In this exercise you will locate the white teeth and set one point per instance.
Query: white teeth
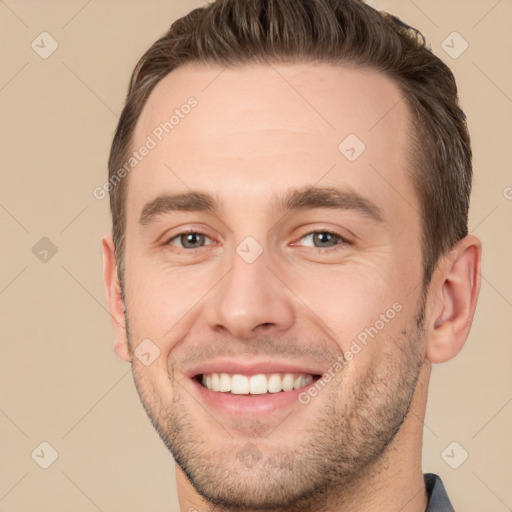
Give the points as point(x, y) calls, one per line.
point(239, 384)
point(287, 382)
point(255, 384)
point(274, 383)
point(225, 382)
point(258, 384)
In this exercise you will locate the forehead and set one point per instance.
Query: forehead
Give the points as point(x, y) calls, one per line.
point(256, 127)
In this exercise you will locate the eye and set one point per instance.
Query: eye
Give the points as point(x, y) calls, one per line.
point(189, 240)
point(321, 239)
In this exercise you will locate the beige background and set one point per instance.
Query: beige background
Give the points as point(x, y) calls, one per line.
point(59, 379)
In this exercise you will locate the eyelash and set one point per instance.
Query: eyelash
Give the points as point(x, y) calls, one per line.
point(186, 232)
point(343, 239)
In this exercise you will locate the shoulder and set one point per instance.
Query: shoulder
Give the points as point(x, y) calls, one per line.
point(438, 498)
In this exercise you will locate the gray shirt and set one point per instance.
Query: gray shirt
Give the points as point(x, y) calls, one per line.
point(438, 499)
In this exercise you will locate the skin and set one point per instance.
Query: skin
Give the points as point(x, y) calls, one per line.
point(357, 445)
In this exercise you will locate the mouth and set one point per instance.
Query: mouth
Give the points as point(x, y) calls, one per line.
point(258, 384)
point(257, 388)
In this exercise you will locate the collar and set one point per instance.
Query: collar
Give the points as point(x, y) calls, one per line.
point(438, 499)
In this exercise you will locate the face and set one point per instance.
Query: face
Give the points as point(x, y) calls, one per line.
point(266, 247)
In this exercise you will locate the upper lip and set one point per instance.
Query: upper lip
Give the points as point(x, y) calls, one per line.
point(251, 368)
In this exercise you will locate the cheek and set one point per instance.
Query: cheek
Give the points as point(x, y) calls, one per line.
point(161, 301)
point(364, 309)
point(347, 300)
point(155, 388)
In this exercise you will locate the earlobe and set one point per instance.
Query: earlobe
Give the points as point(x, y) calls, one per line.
point(458, 285)
point(115, 302)
point(122, 350)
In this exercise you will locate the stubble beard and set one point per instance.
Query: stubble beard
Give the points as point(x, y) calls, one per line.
point(350, 433)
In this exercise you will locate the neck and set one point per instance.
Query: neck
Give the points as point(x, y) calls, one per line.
point(394, 482)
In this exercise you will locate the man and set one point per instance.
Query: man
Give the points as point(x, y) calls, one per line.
point(289, 188)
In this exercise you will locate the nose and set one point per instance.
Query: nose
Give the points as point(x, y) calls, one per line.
point(251, 300)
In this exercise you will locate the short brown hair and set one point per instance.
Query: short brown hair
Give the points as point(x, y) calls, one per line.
point(237, 32)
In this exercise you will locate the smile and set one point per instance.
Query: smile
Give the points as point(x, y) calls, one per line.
point(257, 388)
point(258, 384)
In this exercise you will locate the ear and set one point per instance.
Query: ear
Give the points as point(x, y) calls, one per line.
point(456, 289)
point(115, 301)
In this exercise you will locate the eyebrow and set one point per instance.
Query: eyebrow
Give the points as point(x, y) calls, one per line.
point(328, 197)
point(295, 199)
point(168, 203)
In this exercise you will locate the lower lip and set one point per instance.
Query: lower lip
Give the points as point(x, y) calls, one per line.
point(256, 405)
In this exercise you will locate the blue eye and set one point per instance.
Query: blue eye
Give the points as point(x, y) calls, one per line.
point(189, 240)
point(316, 239)
point(325, 239)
